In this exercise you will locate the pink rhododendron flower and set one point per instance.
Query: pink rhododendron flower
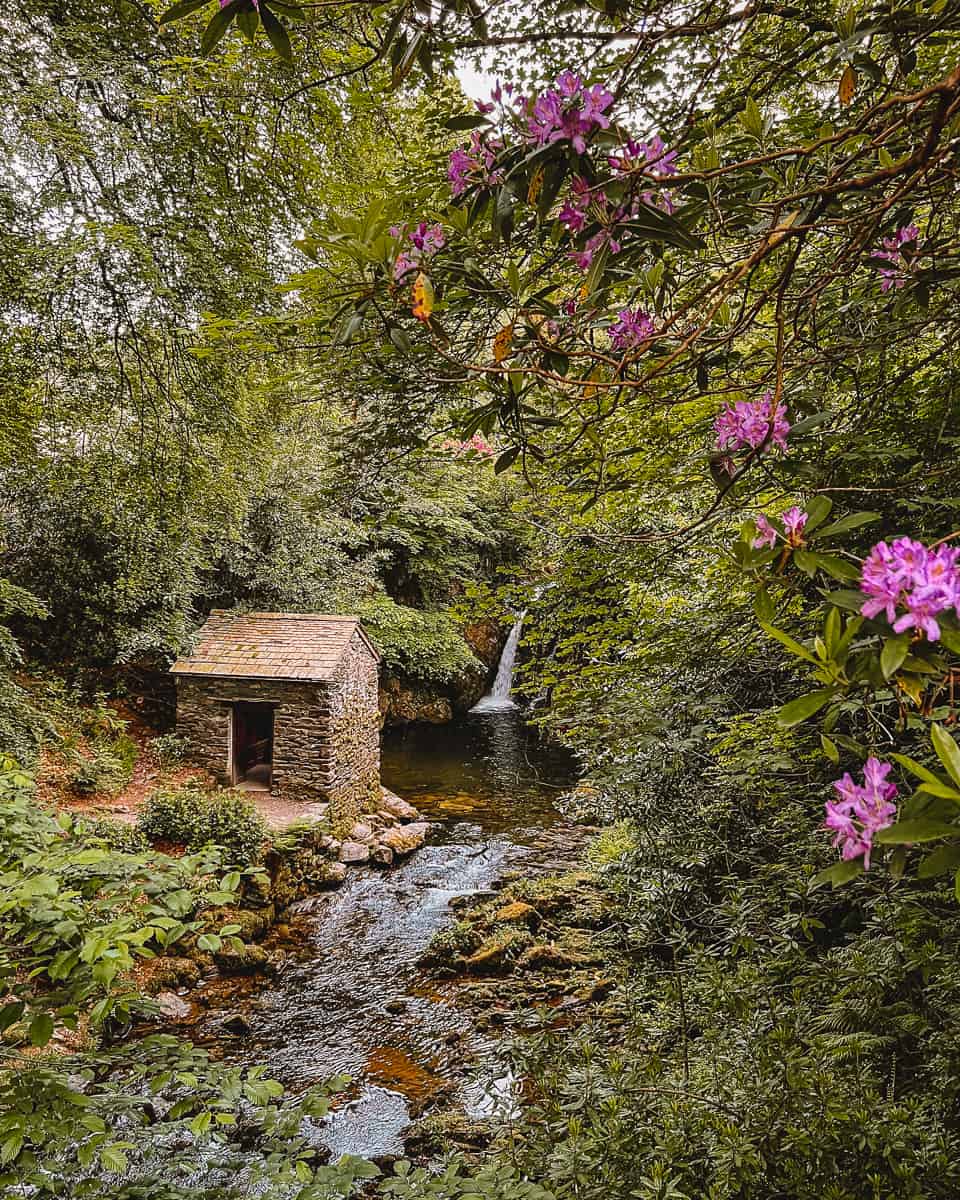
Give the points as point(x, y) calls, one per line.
point(423, 242)
point(752, 423)
point(766, 534)
point(476, 444)
point(794, 520)
point(896, 276)
point(860, 812)
point(569, 112)
point(630, 329)
point(906, 575)
point(474, 164)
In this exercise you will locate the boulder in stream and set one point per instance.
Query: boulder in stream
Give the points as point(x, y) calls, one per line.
point(354, 852)
point(173, 1008)
point(404, 839)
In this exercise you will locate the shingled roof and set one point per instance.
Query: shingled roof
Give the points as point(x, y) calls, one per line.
point(270, 645)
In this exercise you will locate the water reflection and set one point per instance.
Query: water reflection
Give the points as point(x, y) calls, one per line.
point(489, 766)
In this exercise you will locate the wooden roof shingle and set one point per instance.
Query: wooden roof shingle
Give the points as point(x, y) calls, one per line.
point(269, 645)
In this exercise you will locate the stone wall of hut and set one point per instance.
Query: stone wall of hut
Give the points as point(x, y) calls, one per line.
point(326, 736)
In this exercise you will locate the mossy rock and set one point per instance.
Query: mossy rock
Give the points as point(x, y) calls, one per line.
point(251, 960)
point(499, 951)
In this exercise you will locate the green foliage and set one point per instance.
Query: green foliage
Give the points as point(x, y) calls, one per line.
point(191, 816)
point(426, 646)
point(108, 769)
point(168, 749)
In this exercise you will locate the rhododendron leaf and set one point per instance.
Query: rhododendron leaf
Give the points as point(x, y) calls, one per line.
point(248, 21)
point(920, 829)
point(895, 650)
point(941, 790)
point(400, 339)
point(940, 861)
point(836, 568)
point(947, 751)
point(915, 768)
point(805, 561)
point(182, 10)
point(847, 599)
point(845, 524)
point(423, 298)
point(803, 707)
point(808, 423)
point(276, 34)
point(763, 606)
point(837, 875)
point(506, 459)
point(818, 510)
point(465, 121)
point(950, 638)
point(791, 644)
point(829, 748)
point(219, 24)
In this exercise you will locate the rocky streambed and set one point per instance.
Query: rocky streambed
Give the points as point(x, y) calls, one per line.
point(353, 990)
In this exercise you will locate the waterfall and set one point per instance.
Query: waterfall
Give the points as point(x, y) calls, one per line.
point(499, 694)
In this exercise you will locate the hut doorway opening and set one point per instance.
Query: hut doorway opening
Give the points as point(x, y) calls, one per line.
point(252, 745)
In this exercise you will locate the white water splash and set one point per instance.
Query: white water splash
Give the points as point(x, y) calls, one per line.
point(499, 694)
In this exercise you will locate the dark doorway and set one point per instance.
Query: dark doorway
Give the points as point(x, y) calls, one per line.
point(252, 757)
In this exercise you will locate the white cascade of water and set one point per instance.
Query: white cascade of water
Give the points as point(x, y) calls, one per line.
point(499, 694)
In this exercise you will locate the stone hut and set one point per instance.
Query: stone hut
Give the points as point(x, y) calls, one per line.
point(284, 701)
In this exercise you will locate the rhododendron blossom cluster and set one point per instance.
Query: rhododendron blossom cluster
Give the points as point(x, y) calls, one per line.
point(752, 423)
point(906, 575)
point(896, 276)
point(569, 112)
point(422, 243)
point(861, 811)
point(630, 329)
point(474, 164)
point(476, 444)
point(794, 519)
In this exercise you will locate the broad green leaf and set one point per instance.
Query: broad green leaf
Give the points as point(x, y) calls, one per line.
point(182, 10)
point(791, 644)
point(915, 768)
point(277, 34)
point(41, 1029)
point(845, 524)
point(829, 748)
point(895, 650)
point(818, 510)
point(939, 862)
point(803, 707)
point(941, 790)
point(839, 874)
point(921, 829)
point(219, 24)
point(947, 751)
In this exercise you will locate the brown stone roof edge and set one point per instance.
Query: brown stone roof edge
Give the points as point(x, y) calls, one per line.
point(238, 661)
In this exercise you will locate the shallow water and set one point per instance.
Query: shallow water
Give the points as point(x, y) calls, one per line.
point(491, 788)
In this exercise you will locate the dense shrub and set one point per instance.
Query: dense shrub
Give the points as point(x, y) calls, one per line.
point(169, 749)
point(426, 646)
point(192, 817)
point(107, 769)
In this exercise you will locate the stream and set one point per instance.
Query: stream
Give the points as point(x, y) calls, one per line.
point(351, 998)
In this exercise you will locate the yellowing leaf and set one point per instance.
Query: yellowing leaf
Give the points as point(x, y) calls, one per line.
point(536, 186)
point(422, 298)
point(502, 343)
point(848, 84)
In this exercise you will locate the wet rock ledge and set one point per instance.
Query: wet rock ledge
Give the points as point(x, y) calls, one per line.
point(301, 860)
